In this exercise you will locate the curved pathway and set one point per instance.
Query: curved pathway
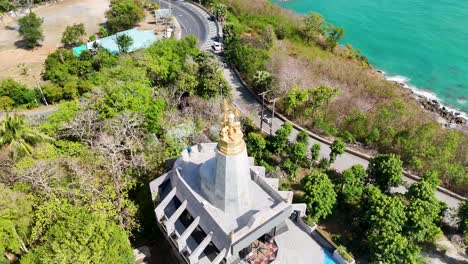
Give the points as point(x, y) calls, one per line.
point(248, 103)
point(193, 21)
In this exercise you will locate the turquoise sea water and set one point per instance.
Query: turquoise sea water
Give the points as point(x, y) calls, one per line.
point(422, 42)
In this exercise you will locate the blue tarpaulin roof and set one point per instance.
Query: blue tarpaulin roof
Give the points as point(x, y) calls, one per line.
point(78, 50)
point(141, 39)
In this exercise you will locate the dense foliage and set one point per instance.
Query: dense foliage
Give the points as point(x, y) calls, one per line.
point(319, 195)
point(463, 220)
point(385, 171)
point(124, 14)
point(67, 233)
point(73, 35)
point(14, 94)
point(78, 192)
point(376, 224)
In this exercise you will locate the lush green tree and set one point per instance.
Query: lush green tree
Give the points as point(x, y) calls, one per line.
point(262, 81)
point(314, 26)
point(103, 32)
point(52, 92)
point(386, 217)
point(19, 93)
point(281, 139)
point(73, 234)
point(319, 195)
point(103, 59)
point(126, 88)
point(256, 145)
point(463, 218)
point(62, 66)
point(295, 98)
point(70, 89)
point(220, 12)
point(211, 82)
point(335, 34)
point(17, 137)
point(298, 152)
point(315, 151)
point(5, 6)
point(302, 137)
point(166, 60)
point(124, 42)
point(425, 188)
point(385, 171)
point(338, 147)
point(30, 29)
point(73, 35)
point(123, 14)
point(290, 168)
point(247, 58)
point(15, 220)
point(423, 217)
point(320, 97)
point(353, 183)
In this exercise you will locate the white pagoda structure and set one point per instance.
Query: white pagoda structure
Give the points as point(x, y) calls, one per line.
point(216, 206)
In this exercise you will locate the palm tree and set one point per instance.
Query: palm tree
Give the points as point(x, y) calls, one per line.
point(17, 137)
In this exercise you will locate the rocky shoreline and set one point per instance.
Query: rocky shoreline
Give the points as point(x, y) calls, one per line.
point(447, 117)
point(453, 118)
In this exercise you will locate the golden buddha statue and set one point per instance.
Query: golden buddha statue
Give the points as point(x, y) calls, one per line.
point(230, 136)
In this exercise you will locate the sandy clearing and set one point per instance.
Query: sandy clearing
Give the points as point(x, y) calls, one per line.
point(56, 17)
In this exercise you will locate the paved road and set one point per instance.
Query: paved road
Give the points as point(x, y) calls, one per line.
point(193, 21)
point(40, 111)
point(249, 105)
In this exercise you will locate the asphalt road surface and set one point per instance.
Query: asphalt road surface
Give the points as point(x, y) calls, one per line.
point(192, 22)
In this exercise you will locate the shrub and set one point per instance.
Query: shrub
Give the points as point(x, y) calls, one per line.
point(53, 93)
point(315, 151)
point(19, 93)
point(103, 32)
point(6, 103)
point(70, 89)
point(344, 253)
point(73, 35)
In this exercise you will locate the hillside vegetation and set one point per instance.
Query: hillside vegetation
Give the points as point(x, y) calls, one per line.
point(74, 186)
point(332, 90)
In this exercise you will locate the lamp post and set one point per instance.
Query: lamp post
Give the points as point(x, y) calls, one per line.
point(40, 89)
point(273, 115)
point(263, 108)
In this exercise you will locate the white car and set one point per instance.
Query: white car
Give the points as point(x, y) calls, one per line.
point(267, 120)
point(217, 46)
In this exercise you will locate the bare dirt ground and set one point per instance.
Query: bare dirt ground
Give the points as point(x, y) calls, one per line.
point(56, 17)
point(158, 26)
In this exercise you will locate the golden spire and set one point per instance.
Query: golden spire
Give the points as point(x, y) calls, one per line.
point(230, 136)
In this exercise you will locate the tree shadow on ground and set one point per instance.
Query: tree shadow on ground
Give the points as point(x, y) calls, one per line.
point(14, 27)
point(21, 44)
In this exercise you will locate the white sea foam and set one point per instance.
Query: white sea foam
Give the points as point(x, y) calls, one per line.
point(405, 81)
